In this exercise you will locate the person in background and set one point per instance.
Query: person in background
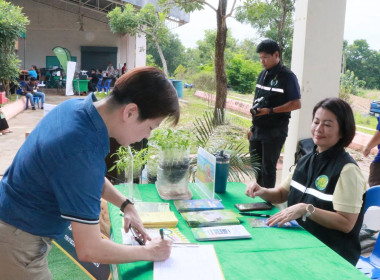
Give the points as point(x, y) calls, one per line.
point(71, 177)
point(325, 193)
point(30, 90)
point(32, 72)
point(100, 74)
point(374, 169)
point(4, 127)
point(278, 88)
point(110, 69)
point(93, 81)
point(124, 68)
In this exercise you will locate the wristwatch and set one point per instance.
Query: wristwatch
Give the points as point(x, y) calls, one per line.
point(310, 209)
point(271, 111)
point(124, 204)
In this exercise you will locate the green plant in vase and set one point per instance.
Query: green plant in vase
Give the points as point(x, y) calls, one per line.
point(123, 162)
point(173, 162)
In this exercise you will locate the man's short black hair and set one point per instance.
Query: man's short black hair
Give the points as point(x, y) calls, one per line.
point(32, 79)
point(268, 46)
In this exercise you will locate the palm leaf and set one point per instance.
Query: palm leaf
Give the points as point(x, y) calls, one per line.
point(241, 163)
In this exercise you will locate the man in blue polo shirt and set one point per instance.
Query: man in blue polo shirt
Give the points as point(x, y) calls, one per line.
point(279, 93)
point(56, 178)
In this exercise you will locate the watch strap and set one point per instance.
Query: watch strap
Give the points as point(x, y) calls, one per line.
point(124, 204)
point(310, 209)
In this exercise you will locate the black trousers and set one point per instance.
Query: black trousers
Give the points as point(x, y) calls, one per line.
point(268, 152)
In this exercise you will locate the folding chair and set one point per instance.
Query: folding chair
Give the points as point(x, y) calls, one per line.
point(107, 85)
point(370, 266)
point(99, 85)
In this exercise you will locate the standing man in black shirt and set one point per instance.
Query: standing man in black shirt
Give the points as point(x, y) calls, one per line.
point(277, 94)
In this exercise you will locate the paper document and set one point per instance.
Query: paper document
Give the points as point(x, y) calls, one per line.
point(189, 263)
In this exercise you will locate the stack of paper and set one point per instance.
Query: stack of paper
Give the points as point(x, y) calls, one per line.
point(211, 218)
point(189, 263)
point(152, 207)
point(198, 205)
point(221, 233)
point(159, 219)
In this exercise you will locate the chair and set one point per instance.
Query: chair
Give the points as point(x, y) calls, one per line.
point(370, 266)
point(99, 85)
point(107, 85)
point(36, 100)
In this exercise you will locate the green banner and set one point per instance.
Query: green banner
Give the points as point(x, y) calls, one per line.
point(63, 56)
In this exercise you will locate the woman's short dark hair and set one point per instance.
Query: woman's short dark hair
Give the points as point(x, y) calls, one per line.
point(268, 46)
point(344, 115)
point(150, 90)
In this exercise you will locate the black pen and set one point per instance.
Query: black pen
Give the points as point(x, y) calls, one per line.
point(254, 214)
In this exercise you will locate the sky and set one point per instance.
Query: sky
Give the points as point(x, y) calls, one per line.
point(362, 22)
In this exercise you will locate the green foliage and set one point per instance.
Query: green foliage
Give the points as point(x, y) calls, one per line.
point(205, 81)
point(242, 73)
point(147, 21)
point(180, 72)
point(123, 160)
point(171, 47)
point(150, 61)
point(272, 19)
point(170, 139)
point(211, 135)
point(12, 24)
point(364, 61)
point(349, 84)
point(123, 21)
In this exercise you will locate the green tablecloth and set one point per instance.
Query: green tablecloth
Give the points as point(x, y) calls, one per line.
point(272, 253)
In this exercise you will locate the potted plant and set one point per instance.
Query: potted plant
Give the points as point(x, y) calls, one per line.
point(173, 163)
point(124, 163)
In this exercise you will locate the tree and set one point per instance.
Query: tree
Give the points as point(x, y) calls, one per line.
point(12, 25)
point(172, 48)
point(220, 43)
point(147, 21)
point(272, 19)
point(242, 73)
point(364, 61)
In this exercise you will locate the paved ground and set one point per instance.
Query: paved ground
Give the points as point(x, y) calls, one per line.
point(20, 124)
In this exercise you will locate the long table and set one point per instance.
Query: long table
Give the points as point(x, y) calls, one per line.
point(272, 253)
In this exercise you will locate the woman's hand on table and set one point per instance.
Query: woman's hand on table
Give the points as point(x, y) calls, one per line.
point(131, 218)
point(253, 190)
point(288, 214)
point(159, 249)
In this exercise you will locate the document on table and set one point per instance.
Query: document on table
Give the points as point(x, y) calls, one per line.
point(188, 263)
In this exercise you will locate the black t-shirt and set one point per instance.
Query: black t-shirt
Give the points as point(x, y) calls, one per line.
point(94, 78)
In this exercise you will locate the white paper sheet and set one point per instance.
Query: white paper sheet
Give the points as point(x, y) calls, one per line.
point(189, 263)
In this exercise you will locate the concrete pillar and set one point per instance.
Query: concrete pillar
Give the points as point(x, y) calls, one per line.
point(140, 50)
point(316, 60)
point(131, 44)
point(123, 51)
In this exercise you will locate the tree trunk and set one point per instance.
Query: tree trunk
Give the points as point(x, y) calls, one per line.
point(163, 60)
point(220, 70)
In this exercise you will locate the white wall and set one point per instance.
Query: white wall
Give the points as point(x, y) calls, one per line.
point(50, 27)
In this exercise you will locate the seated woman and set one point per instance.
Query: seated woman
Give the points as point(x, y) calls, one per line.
point(326, 191)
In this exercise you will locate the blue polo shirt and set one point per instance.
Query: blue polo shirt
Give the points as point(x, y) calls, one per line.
point(377, 158)
point(58, 174)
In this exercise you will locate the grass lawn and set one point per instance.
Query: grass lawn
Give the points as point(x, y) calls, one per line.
point(62, 267)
